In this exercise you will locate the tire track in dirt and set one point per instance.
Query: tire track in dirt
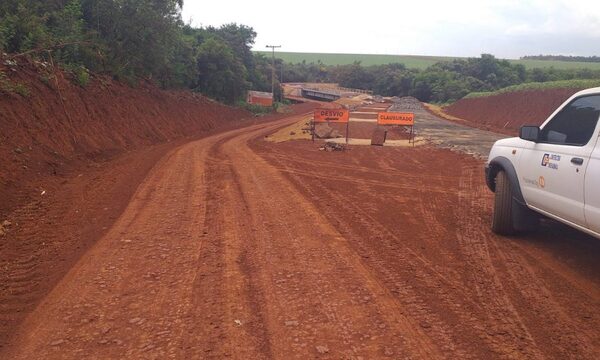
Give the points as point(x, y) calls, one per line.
point(128, 295)
point(550, 266)
point(231, 250)
point(50, 233)
point(381, 184)
point(509, 335)
point(483, 302)
point(357, 169)
point(17, 275)
point(522, 283)
point(315, 245)
point(229, 322)
point(386, 264)
point(154, 287)
point(572, 330)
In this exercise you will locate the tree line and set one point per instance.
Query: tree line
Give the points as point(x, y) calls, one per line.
point(563, 58)
point(442, 82)
point(136, 39)
point(147, 39)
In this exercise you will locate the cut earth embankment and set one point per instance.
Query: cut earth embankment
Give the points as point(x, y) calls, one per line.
point(507, 112)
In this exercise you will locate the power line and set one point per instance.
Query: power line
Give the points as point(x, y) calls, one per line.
point(273, 70)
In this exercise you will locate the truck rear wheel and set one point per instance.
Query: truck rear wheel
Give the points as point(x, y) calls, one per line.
point(502, 220)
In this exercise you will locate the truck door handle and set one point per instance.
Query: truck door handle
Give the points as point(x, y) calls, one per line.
point(577, 161)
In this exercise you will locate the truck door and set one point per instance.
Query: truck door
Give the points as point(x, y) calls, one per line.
point(592, 190)
point(553, 170)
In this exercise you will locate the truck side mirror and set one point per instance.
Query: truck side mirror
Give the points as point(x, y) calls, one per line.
point(530, 133)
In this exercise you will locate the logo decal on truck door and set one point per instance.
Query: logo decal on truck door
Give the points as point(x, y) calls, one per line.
point(545, 159)
point(542, 182)
point(549, 160)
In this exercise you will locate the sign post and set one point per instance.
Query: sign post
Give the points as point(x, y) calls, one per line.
point(400, 119)
point(347, 126)
point(340, 116)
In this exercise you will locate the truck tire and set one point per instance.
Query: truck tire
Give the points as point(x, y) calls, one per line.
point(502, 219)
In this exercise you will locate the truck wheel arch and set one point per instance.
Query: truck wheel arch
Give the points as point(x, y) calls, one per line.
point(501, 163)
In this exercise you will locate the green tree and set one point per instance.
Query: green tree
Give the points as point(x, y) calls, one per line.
point(137, 38)
point(221, 74)
point(353, 76)
point(23, 25)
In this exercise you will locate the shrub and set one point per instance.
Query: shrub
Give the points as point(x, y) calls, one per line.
point(256, 109)
point(8, 86)
point(82, 76)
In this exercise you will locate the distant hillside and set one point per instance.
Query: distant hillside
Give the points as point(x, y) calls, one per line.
point(548, 85)
point(562, 58)
point(413, 61)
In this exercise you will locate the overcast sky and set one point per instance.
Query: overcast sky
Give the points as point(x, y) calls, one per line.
point(507, 29)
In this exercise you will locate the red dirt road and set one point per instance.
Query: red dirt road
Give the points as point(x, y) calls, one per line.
point(234, 247)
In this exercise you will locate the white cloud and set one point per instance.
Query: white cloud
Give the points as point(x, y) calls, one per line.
point(462, 27)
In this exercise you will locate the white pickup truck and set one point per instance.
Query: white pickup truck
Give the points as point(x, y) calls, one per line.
point(552, 170)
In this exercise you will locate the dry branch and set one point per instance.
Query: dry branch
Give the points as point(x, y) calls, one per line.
point(53, 47)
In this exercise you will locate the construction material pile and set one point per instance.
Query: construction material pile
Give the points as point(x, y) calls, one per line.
point(324, 131)
point(407, 103)
point(331, 146)
point(349, 103)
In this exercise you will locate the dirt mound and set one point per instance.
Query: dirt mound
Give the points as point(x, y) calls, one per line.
point(506, 113)
point(58, 125)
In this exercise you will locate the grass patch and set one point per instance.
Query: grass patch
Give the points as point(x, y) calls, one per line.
point(10, 87)
point(438, 110)
point(561, 65)
point(563, 84)
point(258, 110)
point(293, 132)
point(81, 76)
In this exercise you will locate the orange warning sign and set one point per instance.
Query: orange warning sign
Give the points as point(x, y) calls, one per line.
point(393, 118)
point(332, 115)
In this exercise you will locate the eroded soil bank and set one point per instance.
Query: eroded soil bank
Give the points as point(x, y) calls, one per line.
point(506, 113)
point(68, 172)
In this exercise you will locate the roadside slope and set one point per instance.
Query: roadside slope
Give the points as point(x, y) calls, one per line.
point(507, 112)
point(59, 126)
point(67, 173)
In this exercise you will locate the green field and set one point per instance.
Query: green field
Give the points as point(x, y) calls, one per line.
point(562, 84)
point(530, 64)
point(419, 62)
point(411, 61)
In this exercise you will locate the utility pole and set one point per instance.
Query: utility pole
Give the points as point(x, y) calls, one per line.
point(273, 70)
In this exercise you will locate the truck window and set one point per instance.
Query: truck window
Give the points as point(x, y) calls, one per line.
point(574, 124)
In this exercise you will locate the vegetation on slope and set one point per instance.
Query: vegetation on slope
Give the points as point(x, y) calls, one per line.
point(132, 40)
point(562, 84)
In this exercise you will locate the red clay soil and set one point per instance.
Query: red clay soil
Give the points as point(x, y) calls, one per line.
point(417, 221)
point(66, 173)
point(365, 130)
point(39, 136)
point(232, 247)
point(506, 113)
